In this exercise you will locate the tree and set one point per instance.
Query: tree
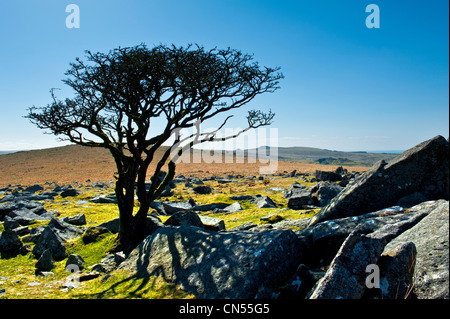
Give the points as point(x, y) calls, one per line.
point(118, 95)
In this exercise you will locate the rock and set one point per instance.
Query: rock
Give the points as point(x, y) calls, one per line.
point(25, 217)
point(22, 230)
point(10, 243)
point(34, 235)
point(300, 199)
point(77, 220)
point(411, 200)
point(291, 174)
point(51, 241)
point(345, 279)
point(431, 238)
point(396, 273)
point(10, 223)
point(34, 207)
point(243, 197)
point(70, 192)
point(245, 226)
point(104, 199)
point(92, 233)
point(45, 262)
point(233, 208)
point(64, 230)
point(327, 176)
point(272, 219)
point(300, 283)
point(34, 188)
point(295, 189)
point(423, 168)
point(297, 224)
point(217, 264)
point(212, 223)
point(324, 192)
point(209, 207)
point(184, 219)
point(112, 225)
point(202, 189)
point(323, 240)
point(109, 263)
point(76, 260)
point(169, 208)
point(264, 202)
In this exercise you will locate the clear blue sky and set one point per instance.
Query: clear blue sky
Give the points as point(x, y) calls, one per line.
point(346, 87)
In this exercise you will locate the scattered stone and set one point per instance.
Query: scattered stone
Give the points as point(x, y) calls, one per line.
point(202, 189)
point(10, 243)
point(45, 262)
point(104, 199)
point(327, 176)
point(209, 207)
point(324, 192)
point(92, 233)
point(212, 223)
point(112, 225)
point(233, 208)
point(184, 219)
point(76, 260)
point(272, 219)
point(300, 200)
point(77, 220)
point(109, 263)
point(51, 241)
point(242, 197)
point(22, 230)
point(70, 192)
point(64, 230)
point(34, 188)
point(24, 216)
point(10, 223)
point(245, 226)
point(265, 202)
point(292, 173)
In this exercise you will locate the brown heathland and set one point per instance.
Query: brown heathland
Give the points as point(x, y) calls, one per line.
point(74, 163)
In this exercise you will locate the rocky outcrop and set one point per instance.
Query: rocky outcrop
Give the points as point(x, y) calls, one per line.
point(217, 264)
point(431, 239)
point(404, 243)
point(345, 279)
point(423, 168)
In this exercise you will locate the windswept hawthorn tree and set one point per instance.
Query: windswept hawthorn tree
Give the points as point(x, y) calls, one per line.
point(118, 94)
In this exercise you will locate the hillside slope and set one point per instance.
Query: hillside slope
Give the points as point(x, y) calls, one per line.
point(74, 163)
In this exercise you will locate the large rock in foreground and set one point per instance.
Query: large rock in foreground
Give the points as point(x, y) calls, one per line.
point(423, 168)
point(431, 238)
point(217, 265)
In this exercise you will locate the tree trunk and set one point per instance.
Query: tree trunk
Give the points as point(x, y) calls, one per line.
point(125, 200)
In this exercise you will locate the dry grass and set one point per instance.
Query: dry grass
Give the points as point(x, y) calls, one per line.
point(74, 163)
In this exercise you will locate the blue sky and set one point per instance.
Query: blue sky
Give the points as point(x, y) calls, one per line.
point(346, 87)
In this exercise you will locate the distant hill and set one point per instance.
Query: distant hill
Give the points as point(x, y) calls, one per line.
point(6, 152)
point(322, 156)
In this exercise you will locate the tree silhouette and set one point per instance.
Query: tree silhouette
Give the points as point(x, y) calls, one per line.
point(120, 93)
